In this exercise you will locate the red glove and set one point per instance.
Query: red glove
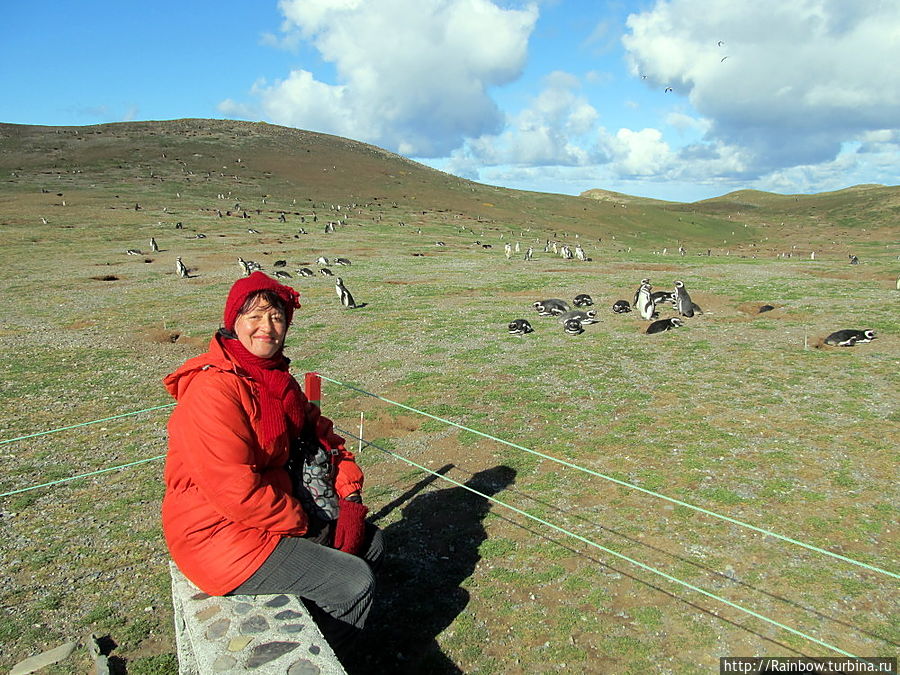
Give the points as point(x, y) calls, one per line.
point(350, 529)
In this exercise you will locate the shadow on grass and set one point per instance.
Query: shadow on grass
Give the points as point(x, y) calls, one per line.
point(429, 553)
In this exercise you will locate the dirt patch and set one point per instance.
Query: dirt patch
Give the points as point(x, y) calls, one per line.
point(106, 277)
point(160, 337)
point(387, 426)
point(757, 308)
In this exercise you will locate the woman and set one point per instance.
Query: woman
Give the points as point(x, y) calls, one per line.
point(231, 517)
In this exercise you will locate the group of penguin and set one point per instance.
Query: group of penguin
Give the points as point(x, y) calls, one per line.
point(343, 293)
point(645, 302)
point(572, 320)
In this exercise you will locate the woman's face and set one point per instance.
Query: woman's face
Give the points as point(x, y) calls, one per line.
point(261, 329)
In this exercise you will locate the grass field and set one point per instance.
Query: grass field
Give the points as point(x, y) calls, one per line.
point(745, 414)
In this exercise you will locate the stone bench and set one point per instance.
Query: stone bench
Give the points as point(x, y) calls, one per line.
point(242, 633)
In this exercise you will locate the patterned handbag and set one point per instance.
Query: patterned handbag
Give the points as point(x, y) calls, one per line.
point(313, 471)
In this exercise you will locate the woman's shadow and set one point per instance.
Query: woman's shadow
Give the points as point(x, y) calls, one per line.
point(430, 551)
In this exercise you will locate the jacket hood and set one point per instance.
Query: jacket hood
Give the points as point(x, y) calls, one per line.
point(215, 357)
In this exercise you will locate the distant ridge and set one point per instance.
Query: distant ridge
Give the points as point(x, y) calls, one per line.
point(261, 158)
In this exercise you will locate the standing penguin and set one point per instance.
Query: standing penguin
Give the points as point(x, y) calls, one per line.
point(180, 269)
point(153, 245)
point(645, 302)
point(344, 294)
point(683, 301)
point(634, 303)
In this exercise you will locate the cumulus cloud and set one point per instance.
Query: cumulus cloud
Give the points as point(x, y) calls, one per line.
point(556, 129)
point(797, 80)
point(412, 76)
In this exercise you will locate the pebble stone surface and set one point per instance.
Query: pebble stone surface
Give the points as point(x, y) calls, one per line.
point(246, 634)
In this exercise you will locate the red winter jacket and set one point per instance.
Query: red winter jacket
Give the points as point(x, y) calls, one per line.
point(229, 501)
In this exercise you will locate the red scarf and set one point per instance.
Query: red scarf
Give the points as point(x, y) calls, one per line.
point(281, 401)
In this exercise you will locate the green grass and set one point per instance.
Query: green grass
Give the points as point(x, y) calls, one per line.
point(737, 412)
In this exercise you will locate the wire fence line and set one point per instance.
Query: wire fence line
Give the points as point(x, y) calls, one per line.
point(84, 424)
point(585, 540)
point(571, 465)
point(623, 483)
point(521, 512)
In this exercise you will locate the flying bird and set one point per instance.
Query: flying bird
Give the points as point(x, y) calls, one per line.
point(668, 89)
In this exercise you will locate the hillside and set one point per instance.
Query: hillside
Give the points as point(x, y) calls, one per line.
point(256, 159)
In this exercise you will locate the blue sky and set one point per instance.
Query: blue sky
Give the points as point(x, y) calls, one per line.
point(675, 99)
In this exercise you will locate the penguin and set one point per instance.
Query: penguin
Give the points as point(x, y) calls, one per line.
point(551, 307)
point(583, 300)
point(280, 263)
point(854, 260)
point(153, 245)
point(585, 317)
point(343, 294)
point(520, 327)
point(133, 251)
point(850, 337)
point(281, 274)
point(662, 296)
point(321, 260)
point(325, 272)
point(644, 303)
point(621, 307)
point(305, 272)
point(573, 327)
point(683, 301)
point(765, 308)
point(634, 303)
point(342, 261)
point(180, 269)
point(664, 324)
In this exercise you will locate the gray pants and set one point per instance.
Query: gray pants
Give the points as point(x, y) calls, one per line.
point(337, 587)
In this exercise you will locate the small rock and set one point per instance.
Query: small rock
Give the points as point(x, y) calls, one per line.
point(34, 663)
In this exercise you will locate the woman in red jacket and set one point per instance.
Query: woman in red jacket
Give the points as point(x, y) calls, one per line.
point(232, 519)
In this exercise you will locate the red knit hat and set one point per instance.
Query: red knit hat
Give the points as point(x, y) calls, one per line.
point(242, 288)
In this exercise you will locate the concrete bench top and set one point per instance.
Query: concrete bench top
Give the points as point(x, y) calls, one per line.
point(239, 634)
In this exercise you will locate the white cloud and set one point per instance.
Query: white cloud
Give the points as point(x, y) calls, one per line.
point(411, 75)
point(638, 153)
point(555, 129)
point(798, 79)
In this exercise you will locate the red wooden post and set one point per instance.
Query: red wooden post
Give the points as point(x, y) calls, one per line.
point(312, 387)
